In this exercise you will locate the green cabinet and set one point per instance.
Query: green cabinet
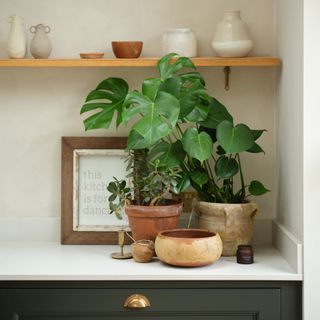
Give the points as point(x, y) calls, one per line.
point(170, 300)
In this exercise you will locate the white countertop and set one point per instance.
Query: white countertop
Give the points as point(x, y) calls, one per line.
point(52, 261)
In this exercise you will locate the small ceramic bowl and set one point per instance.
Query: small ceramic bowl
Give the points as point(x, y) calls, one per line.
point(188, 247)
point(127, 49)
point(142, 250)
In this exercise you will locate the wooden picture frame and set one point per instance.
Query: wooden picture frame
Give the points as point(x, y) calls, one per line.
point(72, 148)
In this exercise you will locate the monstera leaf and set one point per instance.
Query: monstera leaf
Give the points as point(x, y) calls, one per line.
point(168, 68)
point(150, 88)
point(192, 95)
point(217, 113)
point(158, 116)
point(108, 97)
point(200, 178)
point(169, 154)
point(226, 167)
point(234, 139)
point(256, 188)
point(197, 145)
point(256, 135)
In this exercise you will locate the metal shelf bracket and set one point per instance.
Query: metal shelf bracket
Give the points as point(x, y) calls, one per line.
point(227, 71)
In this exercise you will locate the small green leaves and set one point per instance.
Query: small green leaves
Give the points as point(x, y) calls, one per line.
point(226, 167)
point(256, 188)
point(197, 145)
point(183, 183)
point(120, 191)
point(234, 139)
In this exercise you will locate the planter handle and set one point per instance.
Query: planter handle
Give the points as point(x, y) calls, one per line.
point(255, 210)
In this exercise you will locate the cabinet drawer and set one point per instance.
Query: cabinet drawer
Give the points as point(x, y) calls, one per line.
point(168, 301)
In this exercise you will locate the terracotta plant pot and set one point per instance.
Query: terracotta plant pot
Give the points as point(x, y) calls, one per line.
point(147, 221)
point(234, 222)
point(188, 247)
point(127, 49)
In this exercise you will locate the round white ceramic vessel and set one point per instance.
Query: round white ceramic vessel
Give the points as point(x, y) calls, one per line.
point(182, 41)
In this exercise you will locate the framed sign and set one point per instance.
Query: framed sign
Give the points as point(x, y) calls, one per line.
point(88, 165)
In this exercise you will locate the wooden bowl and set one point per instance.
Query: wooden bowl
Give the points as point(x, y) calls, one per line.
point(188, 247)
point(91, 55)
point(127, 49)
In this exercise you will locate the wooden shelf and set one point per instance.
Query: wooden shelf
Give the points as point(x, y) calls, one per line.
point(140, 62)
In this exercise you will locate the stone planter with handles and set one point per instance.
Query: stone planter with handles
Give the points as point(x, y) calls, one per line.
point(234, 222)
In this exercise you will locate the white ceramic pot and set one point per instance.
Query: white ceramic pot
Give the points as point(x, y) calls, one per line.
point(232, 38)
point(16, 42)
point(234, 222)
point(40, 46)
point(180, 41)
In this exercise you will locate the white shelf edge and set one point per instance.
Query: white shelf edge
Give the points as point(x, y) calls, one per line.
point(288, 245)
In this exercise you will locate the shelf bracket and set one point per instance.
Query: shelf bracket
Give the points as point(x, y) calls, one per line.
point(226, 71)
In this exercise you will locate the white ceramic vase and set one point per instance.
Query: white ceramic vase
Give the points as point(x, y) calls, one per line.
point(232, 38)
point(16, 41)
point(40, 46)
point(180, 41)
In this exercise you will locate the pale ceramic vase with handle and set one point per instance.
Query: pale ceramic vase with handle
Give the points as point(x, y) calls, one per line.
point(16, 41)
point(232, 38)
point(40, 46)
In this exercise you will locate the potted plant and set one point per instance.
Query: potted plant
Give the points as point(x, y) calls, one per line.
point(156, 153)
point(214, 168)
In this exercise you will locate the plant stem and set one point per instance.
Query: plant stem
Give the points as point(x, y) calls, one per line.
point(217, 194)
point(243, 189)
point(180, 130)
point(140, 170)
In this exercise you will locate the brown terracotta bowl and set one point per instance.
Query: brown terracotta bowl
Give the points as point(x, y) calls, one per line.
point(188, 247)
point(127, 49)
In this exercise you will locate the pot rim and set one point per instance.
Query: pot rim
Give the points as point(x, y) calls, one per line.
point(205, 231)
point(219, 204)
point(126, 42)
point(173, 203)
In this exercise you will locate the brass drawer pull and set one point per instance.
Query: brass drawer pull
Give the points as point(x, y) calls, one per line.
point(137, 301)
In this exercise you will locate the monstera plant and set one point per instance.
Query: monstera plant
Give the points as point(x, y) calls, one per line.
point(180, 137)
point(155, 151)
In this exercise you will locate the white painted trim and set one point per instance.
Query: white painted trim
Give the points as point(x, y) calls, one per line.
point(288, 245)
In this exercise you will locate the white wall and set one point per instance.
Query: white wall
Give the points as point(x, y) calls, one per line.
point(289, 118)
point(311, 159)
point(38, 106)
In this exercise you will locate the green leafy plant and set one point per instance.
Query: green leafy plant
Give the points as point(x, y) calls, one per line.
point(153, 188)
point(179, 133)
